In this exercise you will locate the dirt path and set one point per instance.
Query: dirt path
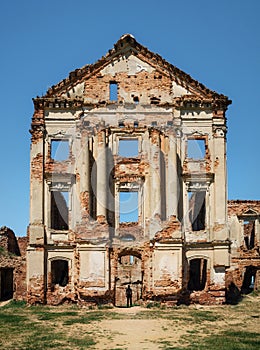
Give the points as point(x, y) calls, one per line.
point(134, 333)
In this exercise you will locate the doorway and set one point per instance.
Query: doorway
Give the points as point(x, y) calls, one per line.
point(129, 272)
point(6, 282)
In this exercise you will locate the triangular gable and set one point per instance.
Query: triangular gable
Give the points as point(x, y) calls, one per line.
point(128, 53)
point(250, 212)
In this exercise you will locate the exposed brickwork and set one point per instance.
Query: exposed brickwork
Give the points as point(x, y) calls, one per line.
point(239, 207)
point(13, 258)
point(243, 275)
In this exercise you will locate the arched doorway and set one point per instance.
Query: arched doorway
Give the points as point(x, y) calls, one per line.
point(129, 272)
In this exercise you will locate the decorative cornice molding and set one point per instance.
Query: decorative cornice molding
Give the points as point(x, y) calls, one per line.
point(184, 102)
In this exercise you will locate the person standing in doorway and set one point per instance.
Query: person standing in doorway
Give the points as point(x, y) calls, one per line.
point(129, 295)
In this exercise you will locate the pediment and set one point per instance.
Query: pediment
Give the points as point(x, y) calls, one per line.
point(129, 59)
point(250, 212)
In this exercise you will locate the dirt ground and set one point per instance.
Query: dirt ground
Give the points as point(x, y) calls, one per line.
point(137, 331)
point(194, 327)
point(134, 333)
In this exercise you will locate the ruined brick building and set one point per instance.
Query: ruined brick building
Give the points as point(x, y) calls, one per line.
point(12, 265)
point(128, 186)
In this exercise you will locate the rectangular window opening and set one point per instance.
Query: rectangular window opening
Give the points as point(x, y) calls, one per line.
point(59, 210)
point(197, 210)
point(59, 150)
point(196, 149)
point(128, 148)
point(126, 260)
point(128, 206)
point(113, 87)
point(249, 234)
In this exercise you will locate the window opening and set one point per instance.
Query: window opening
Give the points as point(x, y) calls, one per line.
point(155, 100)
point(126, 260)
point(59, 150)
point(136, 100)
point(60, 272)
point(127, 238)
point(197, 210)
point(198, 274)
point(128, 206)
point(128, 148)
point(196, 149)
point(59, 210)
point(113, 86)
point(249, 234)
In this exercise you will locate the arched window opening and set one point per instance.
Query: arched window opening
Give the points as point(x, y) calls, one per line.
point(59, 272)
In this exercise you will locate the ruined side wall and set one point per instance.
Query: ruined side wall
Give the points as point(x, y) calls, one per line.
point(244, 273)
point(13, 257)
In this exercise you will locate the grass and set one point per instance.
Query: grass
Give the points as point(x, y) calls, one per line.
point(68, 327)
point(228, 340)
point(200, 316)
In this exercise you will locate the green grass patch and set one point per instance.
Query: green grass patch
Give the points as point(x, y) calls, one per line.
point(88, 317)
point(82, 343)
point(50, 315)
point(203, 315)
point(14, 304)
point(9, 319)
point(229, 340)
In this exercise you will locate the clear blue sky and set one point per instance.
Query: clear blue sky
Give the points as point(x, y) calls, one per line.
point(216, 42)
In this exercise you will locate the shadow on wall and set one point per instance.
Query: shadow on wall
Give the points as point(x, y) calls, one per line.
point(233, 294)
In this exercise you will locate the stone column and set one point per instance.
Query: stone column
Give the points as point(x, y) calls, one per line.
point(155, 175)
point(101, 176)
point(220, 182)
point(186, 219)
point(84, 176)
point(257, 231)
point(172, 178)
